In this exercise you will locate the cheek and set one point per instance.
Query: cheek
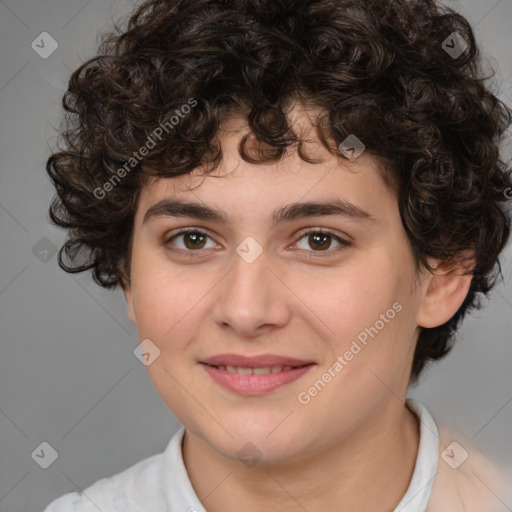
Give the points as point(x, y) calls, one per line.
point(354, 298)
point(166, 304)
point(368, 310)
point(162, 296)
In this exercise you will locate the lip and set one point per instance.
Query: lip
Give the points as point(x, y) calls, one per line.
point(260, 361)
point(254, 384)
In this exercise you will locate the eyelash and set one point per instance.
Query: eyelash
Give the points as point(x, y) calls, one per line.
point(190, 253)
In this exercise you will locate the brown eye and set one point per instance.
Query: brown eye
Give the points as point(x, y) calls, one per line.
point(192, 240)
point(321, 241)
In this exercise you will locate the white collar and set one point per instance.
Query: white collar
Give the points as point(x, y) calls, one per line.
point(418, 493)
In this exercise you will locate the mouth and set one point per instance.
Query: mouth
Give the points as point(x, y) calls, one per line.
point(252, 377)
point(264, 370)
point(260, 361)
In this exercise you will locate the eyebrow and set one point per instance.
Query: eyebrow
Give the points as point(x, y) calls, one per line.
point(289, 212)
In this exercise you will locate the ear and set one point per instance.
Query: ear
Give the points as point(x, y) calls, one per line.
point(446, 289)
point(128, 295)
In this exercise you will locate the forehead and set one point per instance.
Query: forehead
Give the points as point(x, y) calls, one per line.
point(265, 202)
point(237, 185)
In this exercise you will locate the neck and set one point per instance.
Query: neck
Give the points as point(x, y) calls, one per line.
point(369, 470)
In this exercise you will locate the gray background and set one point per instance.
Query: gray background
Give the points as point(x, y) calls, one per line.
point(68, 375)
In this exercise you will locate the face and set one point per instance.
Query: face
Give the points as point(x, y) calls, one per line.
point(337, 292)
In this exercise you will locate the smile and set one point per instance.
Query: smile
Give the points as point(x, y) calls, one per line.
point(257, 380)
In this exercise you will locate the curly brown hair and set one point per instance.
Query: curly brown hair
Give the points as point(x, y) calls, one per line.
point(375, 68)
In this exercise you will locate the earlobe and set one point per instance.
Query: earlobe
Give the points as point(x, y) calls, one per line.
point(446, 290)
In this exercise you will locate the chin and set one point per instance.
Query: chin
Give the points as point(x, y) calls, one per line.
point(255, 442)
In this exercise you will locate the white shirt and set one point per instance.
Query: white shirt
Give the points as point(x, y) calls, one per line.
point(160, 483)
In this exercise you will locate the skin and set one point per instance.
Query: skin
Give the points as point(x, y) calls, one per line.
point(353, 446)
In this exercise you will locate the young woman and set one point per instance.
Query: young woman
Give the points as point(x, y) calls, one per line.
point(301, 200)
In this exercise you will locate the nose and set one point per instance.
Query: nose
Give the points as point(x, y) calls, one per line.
point(251, 300)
